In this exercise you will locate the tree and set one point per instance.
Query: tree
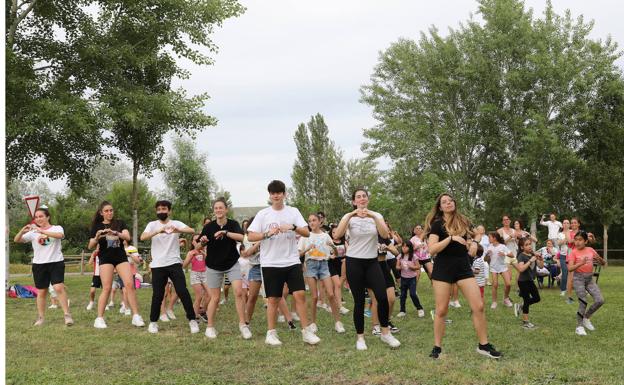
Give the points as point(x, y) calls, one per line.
point(493, 110)
point(601, 177)
point(121, 198)
point(318, 172)
point(51, 129)
point(133, 83)
point(188, 178)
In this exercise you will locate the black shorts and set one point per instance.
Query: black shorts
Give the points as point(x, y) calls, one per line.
point(424, 262)
point(113, 260)
point(335, 266)
point(275, 278)
point(385, 270)
point(96, 282)
point(396, 273)
point(45, 274)
point(451, 270)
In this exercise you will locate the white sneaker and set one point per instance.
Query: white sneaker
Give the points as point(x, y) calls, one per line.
point(272, 339)
point(194, 326)
point(310, 337)
point(339, 327)
point(390, 340)
point(295, 316)
point(563, 293)
point(507, 302)
point(281, 319)
point(128, 311)
point(313, 328)
point(99, 323)
point(223, 301)
point(327, 308)
point(245, 332)
point(211, 332)
point(170, 314)
point(494, 305)
point(588, 325)
point(360, 344)
point(152, 327)
point(516, 307)
point(53, 306)
point(376, 330)
point(343, 310)
point(401, 314)
point(137, 321)
point(421, 313)
point(164, 318)
point(581, 331)
point(320, 305)
point(457, 305)
point(122, 309)
point(90, 305)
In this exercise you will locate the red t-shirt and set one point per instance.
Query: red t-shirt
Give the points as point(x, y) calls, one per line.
point(577, 256)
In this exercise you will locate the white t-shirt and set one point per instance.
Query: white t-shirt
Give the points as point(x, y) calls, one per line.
point(362, 233)
point(497, 262)
point(255, 258)
point(484, 242)
point(389, 254)
point(553, 228)
point(563, 248)
point(320, 250)
point(46, 249)
point(281, 249)
point(165, 246)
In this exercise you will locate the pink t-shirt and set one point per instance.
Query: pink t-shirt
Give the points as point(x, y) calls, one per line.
point(405, 264)
point(577, 256)
point(420, 248)
point(198, 261)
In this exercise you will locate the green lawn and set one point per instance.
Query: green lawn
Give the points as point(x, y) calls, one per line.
point(122, 354)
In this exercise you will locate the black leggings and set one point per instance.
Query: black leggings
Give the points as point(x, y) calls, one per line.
point(159, 282)
point(363, 274)
point(529, 293)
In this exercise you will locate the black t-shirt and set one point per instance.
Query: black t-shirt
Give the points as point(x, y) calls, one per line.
point(528, 274)
point(110, 246)
point(454, 249)
point(221, 253)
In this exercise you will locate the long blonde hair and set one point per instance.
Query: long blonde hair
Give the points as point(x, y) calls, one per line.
point(459, 224)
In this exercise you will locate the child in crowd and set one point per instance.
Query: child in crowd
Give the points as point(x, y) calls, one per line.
point(409, 267)
point(526, 266)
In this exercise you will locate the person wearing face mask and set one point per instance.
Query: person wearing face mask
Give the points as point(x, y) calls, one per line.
point(167, 264)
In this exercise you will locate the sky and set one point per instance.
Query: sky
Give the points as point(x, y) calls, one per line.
point(283, 61)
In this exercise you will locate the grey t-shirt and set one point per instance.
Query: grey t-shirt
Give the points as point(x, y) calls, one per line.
point(362, 233)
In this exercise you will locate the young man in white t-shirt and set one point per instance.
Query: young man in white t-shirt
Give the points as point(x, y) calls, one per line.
point(553, 227)
point(167, 264)
point(276, 227)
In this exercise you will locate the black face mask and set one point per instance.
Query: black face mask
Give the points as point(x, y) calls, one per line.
point(162, 216)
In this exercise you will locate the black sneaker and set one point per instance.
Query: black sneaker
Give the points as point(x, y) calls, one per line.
point(393, 329)
point(291, 325)
point(203, 317)
point(435, 352)
point(488, 350)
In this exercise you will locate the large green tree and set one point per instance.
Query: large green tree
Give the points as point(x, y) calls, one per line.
point(493, 109)
point(188, 178)
point(318, 173)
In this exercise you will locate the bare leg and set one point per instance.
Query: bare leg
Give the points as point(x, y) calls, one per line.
point(471, 292)
point(442, 293)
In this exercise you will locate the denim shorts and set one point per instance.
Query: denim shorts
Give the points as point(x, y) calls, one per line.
point(255, 274)
point(316, 269)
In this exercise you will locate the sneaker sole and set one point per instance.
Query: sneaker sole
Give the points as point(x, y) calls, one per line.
point(487, 354)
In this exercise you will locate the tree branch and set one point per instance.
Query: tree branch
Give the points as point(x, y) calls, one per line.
point(18, 19)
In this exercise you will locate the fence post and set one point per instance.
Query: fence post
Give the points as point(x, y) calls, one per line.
point(81, 262)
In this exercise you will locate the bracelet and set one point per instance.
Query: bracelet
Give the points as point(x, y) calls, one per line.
point(226, 233)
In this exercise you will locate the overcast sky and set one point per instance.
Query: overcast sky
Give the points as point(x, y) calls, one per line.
point(283, 61)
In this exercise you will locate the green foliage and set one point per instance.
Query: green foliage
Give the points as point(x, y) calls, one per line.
point(121, 199)
point(188, 178)
point(319, 171)
point(497, 112)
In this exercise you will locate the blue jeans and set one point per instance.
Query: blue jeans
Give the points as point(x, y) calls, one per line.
point(564, 273)
point(409, 284)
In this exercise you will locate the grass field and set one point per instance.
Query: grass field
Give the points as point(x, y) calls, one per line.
point(122, 354)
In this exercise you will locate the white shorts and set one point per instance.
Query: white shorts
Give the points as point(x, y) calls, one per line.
point(198, 277)
point(496, 269)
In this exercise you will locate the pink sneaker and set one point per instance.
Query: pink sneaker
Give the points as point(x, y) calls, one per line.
point(507, 302)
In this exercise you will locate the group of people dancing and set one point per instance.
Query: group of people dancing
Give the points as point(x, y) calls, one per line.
point(280, 253)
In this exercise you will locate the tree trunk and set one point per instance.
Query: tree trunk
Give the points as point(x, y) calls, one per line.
point(605, 236)
point(135, 195)
point(6, 247)
point(534, 232)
